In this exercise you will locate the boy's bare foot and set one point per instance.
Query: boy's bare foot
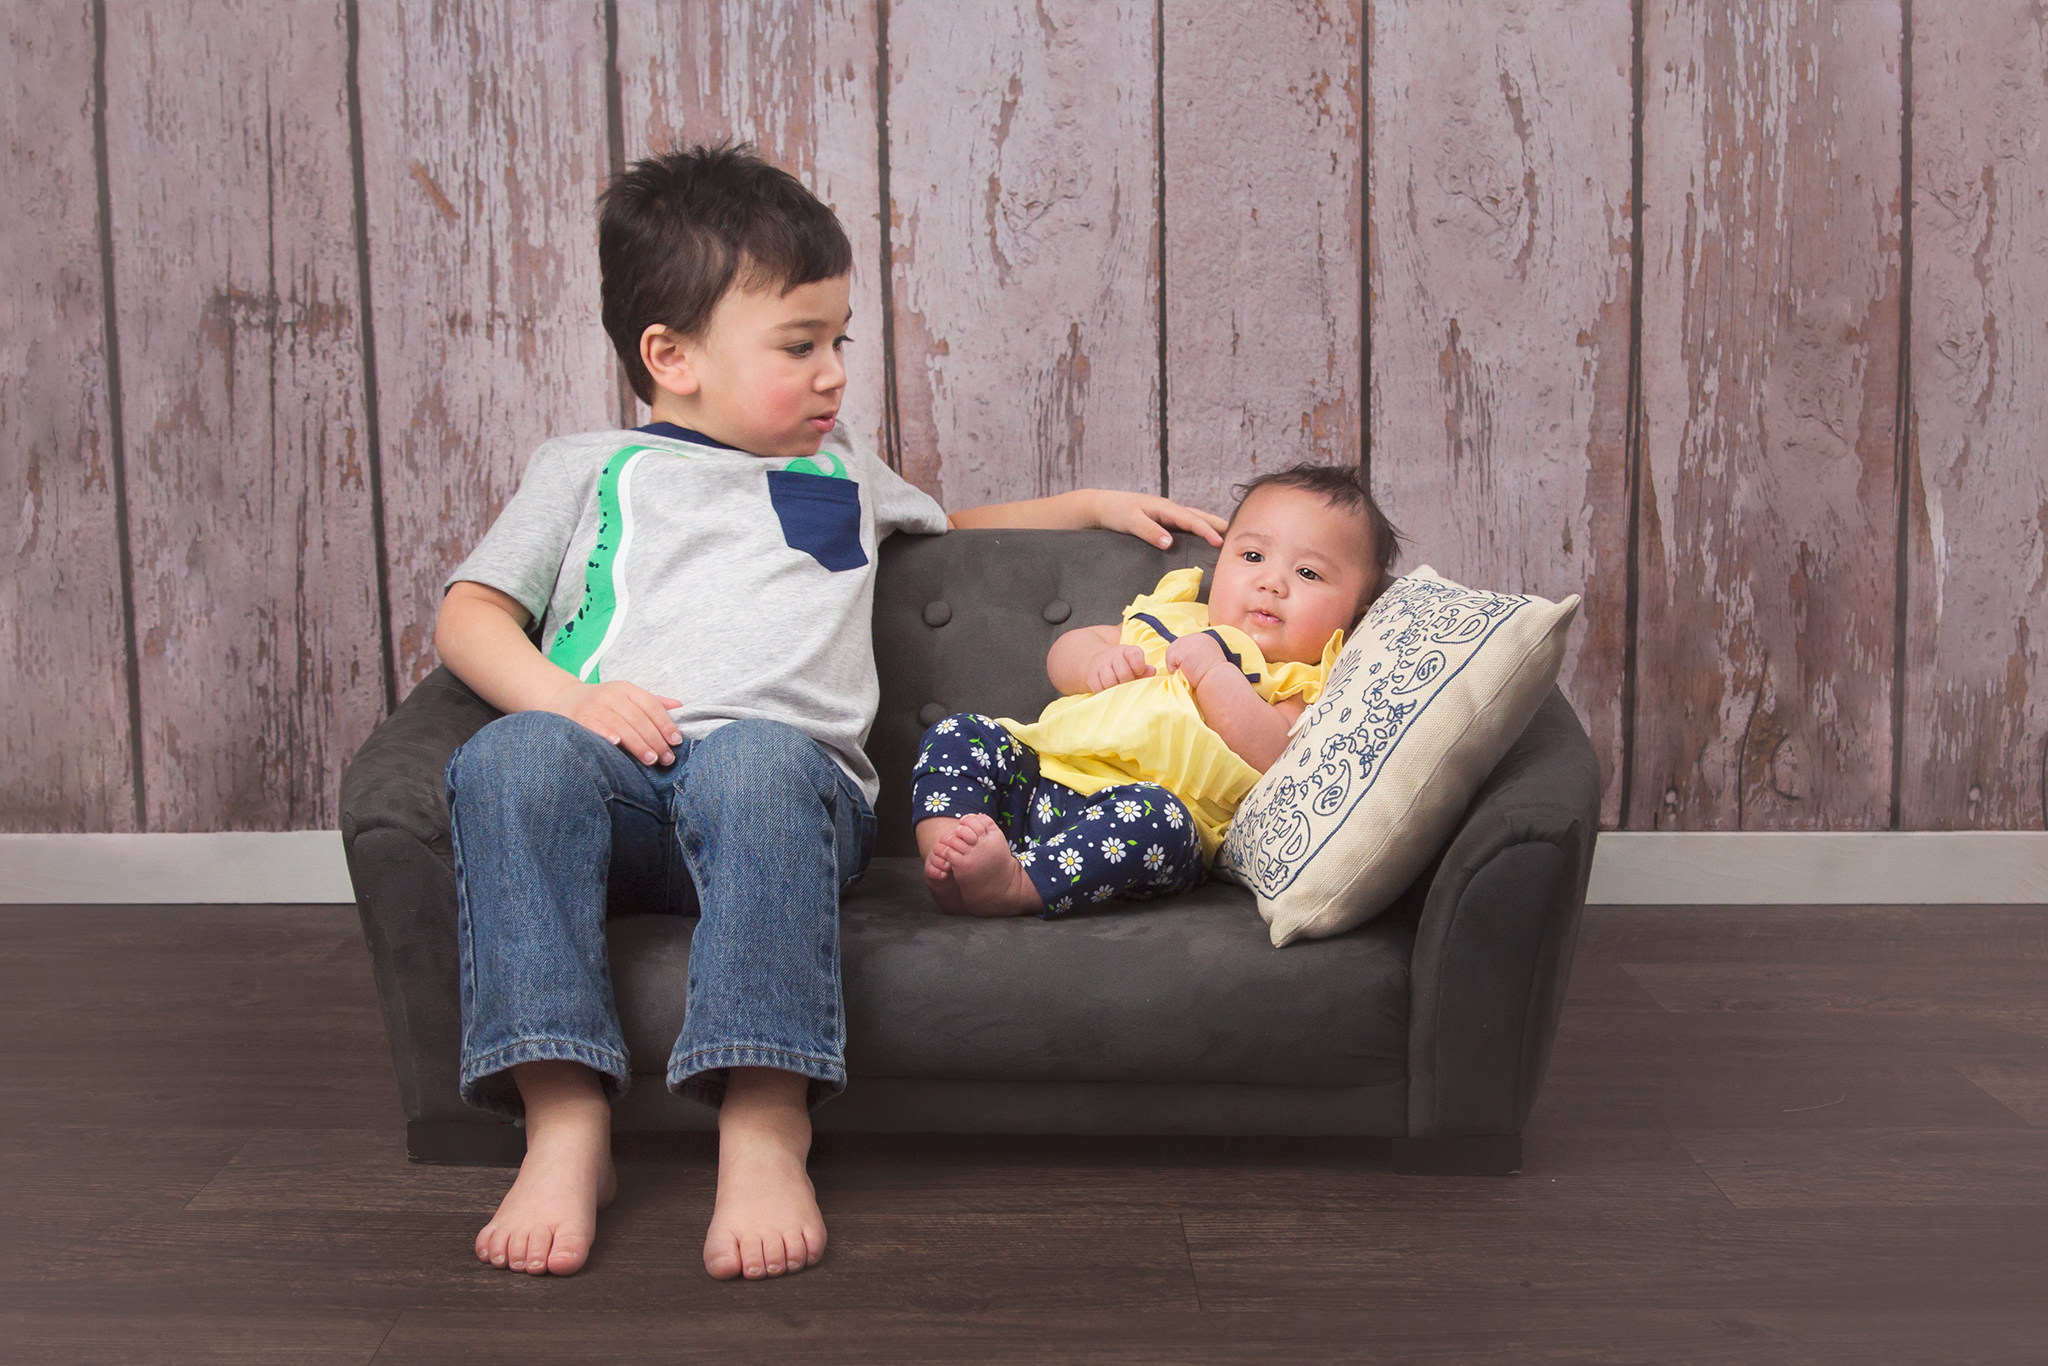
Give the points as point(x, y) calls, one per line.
point(990, 880)
point(546, 1222)
point(932, 833)
point(766, 1221)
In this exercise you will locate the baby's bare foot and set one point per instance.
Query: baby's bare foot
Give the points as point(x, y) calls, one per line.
point(990, 880)
point(939, 880)
point(938, 877)
point(766, 1221)
point(546, 1222)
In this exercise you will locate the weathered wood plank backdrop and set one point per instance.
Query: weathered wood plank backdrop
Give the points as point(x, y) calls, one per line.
point(1727, 316)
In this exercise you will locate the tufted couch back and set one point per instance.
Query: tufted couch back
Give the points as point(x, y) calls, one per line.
point(963, 621)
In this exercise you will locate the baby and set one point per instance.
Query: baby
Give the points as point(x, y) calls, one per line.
point(1126, 783)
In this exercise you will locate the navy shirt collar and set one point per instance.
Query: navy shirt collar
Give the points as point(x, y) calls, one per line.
point(675, 433)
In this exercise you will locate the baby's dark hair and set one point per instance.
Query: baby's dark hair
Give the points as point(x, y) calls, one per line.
point(675, 231)
point(1343, 488)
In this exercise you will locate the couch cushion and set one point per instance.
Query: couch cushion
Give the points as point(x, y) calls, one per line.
point(1186, 990)
point(963, 621)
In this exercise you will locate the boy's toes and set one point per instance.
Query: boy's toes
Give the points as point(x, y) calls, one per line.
point(567, 1254)
point(722, 1258)
point(753, 1261)
point(538, 1245)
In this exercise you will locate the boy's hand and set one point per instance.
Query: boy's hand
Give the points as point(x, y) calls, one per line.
point(1147, 516)
point(1192, 656)
point(1117, 664)
point(626, 715)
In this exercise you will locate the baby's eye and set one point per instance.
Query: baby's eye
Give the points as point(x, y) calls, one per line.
point(800, 350)
point(1254, 557)
point(839, 343)
point(1308, 573)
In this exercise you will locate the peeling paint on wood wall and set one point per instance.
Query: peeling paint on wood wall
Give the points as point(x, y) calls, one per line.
point(1500, 300)
point(1976, 704)
point(1771, 223)
point(66, 762)
point(276, 262)
point(241, 393)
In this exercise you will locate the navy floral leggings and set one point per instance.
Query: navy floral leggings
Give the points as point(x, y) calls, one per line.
point(1135, 840)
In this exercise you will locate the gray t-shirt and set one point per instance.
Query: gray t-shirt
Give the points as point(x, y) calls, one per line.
point(743, 585)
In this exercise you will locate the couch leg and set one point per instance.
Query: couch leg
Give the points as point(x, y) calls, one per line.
point(455, 1143)
point(1459, 1155)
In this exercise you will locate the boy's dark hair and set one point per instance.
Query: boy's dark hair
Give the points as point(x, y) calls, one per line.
point(674, 231)
point(1343, 488)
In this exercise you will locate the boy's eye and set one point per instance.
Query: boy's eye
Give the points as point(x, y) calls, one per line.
point(800, 350)
point(1254, 557)
point(1308, 573)
point(839, 343)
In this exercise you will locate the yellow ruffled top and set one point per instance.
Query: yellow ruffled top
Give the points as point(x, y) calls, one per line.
point(1149, 730)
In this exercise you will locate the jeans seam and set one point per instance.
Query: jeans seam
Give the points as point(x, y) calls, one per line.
point(488, 1064)
point(703, 1060)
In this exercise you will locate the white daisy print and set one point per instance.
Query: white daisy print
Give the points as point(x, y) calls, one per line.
point(981, 756)
point(938, 801)
point(1065, 903)
point(1113, 850)
point(1026, 858)
point(1045, 811)
point(1060, 838)
point(1155, 858)
point(1069, 861)
point(947, 726)
point(1173, 816)
point(1129, 811)
point(1102, 894)
point(1093, 813)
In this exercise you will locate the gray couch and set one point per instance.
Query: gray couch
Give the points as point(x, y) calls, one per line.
point(1430, 1025)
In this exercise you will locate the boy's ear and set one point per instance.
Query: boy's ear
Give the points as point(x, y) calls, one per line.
point(667, 359)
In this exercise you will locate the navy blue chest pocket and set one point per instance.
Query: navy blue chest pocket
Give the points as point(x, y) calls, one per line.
point(820, 516)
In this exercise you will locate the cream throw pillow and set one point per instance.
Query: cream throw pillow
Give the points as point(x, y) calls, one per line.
point(1420, 706)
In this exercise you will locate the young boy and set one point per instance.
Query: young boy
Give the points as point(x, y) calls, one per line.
point(687, 722)
point(1125, 785)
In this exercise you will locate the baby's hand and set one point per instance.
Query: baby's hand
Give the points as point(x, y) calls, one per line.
point(626, 715)
point(1117, 664)
point(1193, 655)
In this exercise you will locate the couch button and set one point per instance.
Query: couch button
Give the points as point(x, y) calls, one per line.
point(930, 714)
point(1057, 611)
point(937, 614)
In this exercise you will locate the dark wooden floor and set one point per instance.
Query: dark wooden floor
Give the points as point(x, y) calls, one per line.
point(1768, 1135)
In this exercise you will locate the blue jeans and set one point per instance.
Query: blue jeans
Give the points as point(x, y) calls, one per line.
point(754, 827)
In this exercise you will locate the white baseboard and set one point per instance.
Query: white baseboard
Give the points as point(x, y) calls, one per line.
point(1845, 868)
point(1630, 868)
point(295, 867)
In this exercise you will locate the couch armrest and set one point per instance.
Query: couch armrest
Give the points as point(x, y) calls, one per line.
point(1494, 943)
point(394, 782)
point(394, 828)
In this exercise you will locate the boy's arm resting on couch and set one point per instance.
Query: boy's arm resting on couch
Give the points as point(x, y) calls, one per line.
point(1144, 515)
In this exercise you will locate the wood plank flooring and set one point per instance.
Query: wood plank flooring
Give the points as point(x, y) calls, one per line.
point(1769, 1134)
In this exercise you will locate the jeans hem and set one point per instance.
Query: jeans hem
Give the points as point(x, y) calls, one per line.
point(487, 1083)
point(701, 1075)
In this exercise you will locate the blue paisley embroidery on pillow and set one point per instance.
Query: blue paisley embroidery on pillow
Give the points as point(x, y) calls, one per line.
point(1431, 630)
